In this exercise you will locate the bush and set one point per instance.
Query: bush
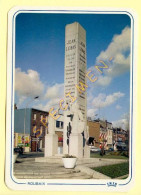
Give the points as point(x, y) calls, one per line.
point(68, 156)
point(120, 153)
point(116, 153)
point(125, 153)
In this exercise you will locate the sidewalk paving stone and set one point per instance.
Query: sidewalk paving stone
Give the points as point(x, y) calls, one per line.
point(29, 168)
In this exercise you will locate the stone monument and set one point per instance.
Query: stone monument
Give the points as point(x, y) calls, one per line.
point(75, 132)
point(51, 139)
point(75, 72)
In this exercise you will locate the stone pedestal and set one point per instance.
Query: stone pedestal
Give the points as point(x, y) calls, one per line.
point(76, 145)
point(66, 122)
point(86, 152)
point(51, 145)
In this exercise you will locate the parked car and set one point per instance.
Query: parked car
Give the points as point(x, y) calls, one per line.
point(121, 146)
point(111, 149)
point(18, 150)
point(94, 149)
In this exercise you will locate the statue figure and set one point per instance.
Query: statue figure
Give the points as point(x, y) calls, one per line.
point(78, 137)
point(79, 125)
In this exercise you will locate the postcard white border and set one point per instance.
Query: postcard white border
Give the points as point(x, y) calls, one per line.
point(59, 184)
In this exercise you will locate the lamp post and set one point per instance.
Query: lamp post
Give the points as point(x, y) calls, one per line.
point(25, 117)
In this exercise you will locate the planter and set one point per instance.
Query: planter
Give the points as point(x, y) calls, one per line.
point(69, 163)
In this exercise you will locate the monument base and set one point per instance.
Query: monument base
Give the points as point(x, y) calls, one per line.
point(51, 145)
point(76, 145)
point(86, 152)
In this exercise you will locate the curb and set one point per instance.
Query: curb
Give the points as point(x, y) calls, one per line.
point(92, 173)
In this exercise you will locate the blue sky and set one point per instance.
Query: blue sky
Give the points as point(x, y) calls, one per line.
point(40, 44)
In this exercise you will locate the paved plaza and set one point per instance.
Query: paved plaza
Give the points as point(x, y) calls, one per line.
point(28, 166)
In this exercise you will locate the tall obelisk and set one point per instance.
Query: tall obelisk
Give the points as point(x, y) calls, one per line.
point(75, 71)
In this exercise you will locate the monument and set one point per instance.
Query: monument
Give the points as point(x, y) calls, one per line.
point(75, 133)
point(51, 139)
point(75, 63)
point(75, 71)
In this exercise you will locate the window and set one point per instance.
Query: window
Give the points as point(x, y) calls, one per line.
point(62, 125)
point(34, 116)
point(57, 124)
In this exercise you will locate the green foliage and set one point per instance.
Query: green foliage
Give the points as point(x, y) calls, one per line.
point(27, 145)
point(114, 171)
point(109, 156)
point(120, 153)
point(125, 153)
point(116, 153)
point(68, 156)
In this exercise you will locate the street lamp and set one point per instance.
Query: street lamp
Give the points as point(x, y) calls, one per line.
point(25, 116)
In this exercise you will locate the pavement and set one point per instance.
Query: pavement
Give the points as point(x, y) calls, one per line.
point(30, 166)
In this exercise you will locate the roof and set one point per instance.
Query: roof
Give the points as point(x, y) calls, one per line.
point(33, 109)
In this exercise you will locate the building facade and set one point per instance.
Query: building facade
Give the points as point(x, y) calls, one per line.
point(106, 133)
point(120, 135)
point(94, 132)
point(32, 122)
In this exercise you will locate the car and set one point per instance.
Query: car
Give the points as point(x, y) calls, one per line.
point(121, 146)
point(94, 149)
point(111, 149)
point(18, 150)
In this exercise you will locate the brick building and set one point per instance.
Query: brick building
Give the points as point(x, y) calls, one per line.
point(106, 133)
point(120, 135)
point(35, 125)
point(94, 132)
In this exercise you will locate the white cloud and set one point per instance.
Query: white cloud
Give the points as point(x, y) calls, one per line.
point(119, 51)
point(53, 96)
point(55, 91)
point(92, 113)
point(103, 101)
point(53, 103)
point(118, 107)
point(104, 80)
point(123, 123)
point(28, 84)
point(21, 100)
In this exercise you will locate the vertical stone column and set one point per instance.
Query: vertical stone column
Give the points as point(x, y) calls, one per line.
point(76, 139)
point(75, 72)
point(66, 122)
point(51, 139)
point(76, 145)
point(86, 148)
